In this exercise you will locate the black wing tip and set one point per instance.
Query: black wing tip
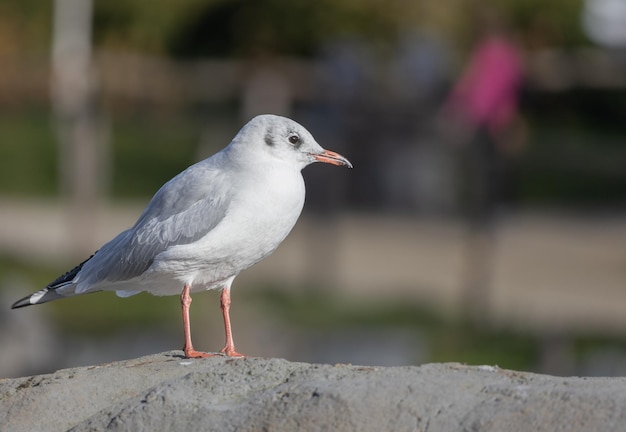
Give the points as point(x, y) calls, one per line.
point(22, 303)
point(42, 296)
point(48, 293)
point(69, 276)
point(34, 298)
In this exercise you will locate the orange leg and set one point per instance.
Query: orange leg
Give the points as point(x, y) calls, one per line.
point(185, 302)
point(229, 348)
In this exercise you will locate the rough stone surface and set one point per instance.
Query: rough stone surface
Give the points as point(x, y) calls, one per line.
point(165, 392)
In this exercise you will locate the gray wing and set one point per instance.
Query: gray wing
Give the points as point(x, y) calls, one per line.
point(184, 210)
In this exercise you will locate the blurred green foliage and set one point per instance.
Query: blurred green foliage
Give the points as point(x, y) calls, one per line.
point(448, 338)
point(28, 154)
point(442, 337)
point(150, 148)
point(149, 151)
point(576, 151)
point(100, 314)
point(239, 27)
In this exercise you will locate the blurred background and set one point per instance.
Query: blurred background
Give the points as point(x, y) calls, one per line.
point(484, 221)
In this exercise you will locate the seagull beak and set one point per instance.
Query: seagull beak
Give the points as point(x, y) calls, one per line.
point(331, 157)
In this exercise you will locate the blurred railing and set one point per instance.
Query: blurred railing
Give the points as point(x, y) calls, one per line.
point(141, 78)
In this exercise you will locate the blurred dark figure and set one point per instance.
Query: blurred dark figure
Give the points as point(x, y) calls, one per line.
point(482, 120)
point(350, 90)
point(416, 169)
point(335, 117)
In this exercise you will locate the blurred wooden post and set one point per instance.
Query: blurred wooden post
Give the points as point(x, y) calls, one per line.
point(75, 117)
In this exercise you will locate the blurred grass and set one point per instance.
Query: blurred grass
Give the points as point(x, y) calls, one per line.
point(103, 314)
point(448, 339)
point(445, 338)
point(147, 151)
point(98, 314)
point(36, 275)
point(27, 154)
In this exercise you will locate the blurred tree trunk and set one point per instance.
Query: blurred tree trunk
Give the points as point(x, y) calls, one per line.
point(80, 130)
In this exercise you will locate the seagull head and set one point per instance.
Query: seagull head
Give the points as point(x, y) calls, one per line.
point(282, 139)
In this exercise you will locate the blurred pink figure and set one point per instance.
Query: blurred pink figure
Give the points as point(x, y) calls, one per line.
point(488, 91)
point(483, 109)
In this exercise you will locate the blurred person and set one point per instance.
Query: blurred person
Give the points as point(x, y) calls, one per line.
point(481, 118)
point(416, 171)
point(338, 115)
point(349, 91)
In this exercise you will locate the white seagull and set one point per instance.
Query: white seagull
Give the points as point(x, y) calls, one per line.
point(207, 224)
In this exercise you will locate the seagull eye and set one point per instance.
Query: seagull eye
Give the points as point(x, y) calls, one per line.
point(294, 139)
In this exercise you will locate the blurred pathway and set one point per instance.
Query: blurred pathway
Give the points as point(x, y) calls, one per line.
point(550, 271)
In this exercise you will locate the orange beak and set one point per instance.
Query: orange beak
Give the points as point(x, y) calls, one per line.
point(331, 157)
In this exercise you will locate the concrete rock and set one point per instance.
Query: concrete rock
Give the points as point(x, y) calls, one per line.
point(165, 392)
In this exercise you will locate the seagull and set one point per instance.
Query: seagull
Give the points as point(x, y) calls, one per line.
point(206, 225)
